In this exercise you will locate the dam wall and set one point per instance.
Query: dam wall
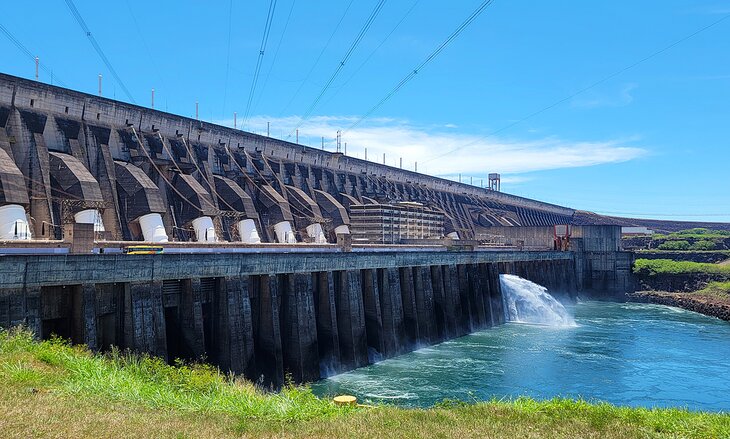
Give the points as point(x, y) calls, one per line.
point(141, 174)
point(265, 316)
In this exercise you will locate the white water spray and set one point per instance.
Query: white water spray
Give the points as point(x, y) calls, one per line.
point(528, 302)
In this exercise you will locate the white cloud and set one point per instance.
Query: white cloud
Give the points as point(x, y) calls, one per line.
point(449, 153)
point(615, 98)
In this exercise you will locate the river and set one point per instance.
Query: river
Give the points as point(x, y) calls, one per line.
point(625, 354)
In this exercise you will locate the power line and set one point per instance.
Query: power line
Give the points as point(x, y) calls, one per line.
point(29, 54)
point(584, 89)
point(264, 39)
point(316, 61)
point(97, 48)
point(353, 46)
point(276, 53)
point(423, 63)
point(408, 12)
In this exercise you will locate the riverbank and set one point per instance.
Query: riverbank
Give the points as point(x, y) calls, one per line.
point(55, 390)
point(51, 389)
point(707, 304)
point(694, 286)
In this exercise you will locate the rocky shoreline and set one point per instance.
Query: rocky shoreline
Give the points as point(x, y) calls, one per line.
point(703, 304)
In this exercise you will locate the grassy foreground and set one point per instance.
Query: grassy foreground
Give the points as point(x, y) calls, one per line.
point(50, 389)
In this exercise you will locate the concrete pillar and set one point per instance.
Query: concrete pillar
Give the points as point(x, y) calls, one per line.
point(410, 311)
point(144, 318)
point(391, 306)
point(351, 319)
point(466, 307)
point(457, 319)
point(485, 294)
point(267, 336)
point(423, 291)
point(299, 328)
point(233, 340)
point(475, 297)
point(373, 315)
point(328, 340)
point(191, 318)
point(84, 319)
point(443, 310)
point(21, 306)
point(495, 292)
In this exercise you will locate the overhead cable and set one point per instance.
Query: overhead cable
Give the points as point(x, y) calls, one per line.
point(97, 48)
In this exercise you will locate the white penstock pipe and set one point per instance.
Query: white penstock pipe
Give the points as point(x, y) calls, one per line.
point(13, 222)
point(247, 231)
point(152, 228)
point(204, 230)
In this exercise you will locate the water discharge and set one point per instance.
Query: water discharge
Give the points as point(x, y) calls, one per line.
point(528, 302)
point(623, 353)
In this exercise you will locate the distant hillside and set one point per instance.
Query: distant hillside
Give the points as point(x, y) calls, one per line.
point(581, 217)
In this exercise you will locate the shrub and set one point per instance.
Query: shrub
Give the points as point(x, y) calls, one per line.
point(652, 267)
point(703, 245)
point(674, 245)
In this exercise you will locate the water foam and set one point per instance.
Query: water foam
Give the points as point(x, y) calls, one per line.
point(528, 302)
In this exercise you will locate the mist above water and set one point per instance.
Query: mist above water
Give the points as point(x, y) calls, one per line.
point(528, 302)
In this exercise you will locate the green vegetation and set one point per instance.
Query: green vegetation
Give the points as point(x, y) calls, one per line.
point(697, 233)
point(719, 290)
point(52, 389)
point(652, 267)
point(674, 245)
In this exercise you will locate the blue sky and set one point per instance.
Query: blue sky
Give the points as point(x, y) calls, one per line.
point(651, 141)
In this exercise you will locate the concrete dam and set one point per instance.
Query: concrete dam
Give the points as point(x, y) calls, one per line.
point(276, 258)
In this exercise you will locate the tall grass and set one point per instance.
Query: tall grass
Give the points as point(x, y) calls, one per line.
point(77, 393)
point(148, 381)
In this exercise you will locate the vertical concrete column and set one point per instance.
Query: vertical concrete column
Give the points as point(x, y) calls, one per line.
point(391, 305)
point(144, 318)
point(458, 324)
point(410, 311)
point(351, 319)
point(475, 297)
point(443, 309)
point(373, 315)
point(267, 336)
point(299, 328)
point(423, 289)
point(466, 306)
point(84, 315)
point(486, 294)
point(233, 344)
point(191, 318)
point(328, 339)
point(21, 307)
point(495, 292)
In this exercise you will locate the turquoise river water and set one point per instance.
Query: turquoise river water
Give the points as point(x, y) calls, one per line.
point(625, 354)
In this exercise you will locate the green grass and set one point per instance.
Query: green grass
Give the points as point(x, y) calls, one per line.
point(653, 267)
point(719, 290)
point(697, 233)
point(148, 381)
point(52, 389)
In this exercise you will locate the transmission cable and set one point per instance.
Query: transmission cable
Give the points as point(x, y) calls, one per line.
point(403, 18)
point(276, 54)
point(262, 49)
point(29, 54)
point(348, 54)
point(584, 89)
point(97, 48)
point(423, 63)
point(316, 61)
